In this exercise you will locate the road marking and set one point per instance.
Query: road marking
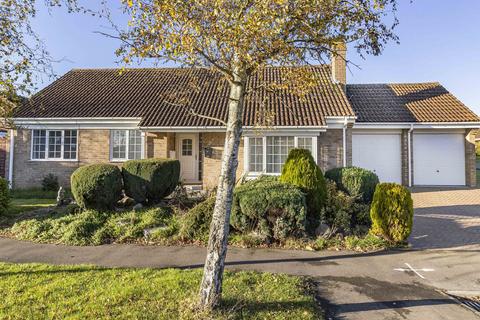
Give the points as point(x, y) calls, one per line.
point(420, 237)
point(416, 271)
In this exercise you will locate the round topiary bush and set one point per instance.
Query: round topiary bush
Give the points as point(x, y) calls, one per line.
point(301, 171)
point(269, 208)
point(97, 186)
point(4, 196)
point(357, 182)
point(150, 180)
point(392, 212)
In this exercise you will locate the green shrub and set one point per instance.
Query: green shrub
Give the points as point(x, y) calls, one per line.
point(477, 149)
point(301, 171)
point(392, 212)
point(342, 213)
point(195, 225)
point(150, 180)
point(272, 209)
point(4, 196)
point(50, 183)
point(131, 226)
point(357, 182)
point(97, 186)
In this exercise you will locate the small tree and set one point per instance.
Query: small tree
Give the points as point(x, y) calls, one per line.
point(301, 170)
point(236, 38)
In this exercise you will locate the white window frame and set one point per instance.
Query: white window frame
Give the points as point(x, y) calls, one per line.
point(246, 152)
point(127, 139)
point(47, 133)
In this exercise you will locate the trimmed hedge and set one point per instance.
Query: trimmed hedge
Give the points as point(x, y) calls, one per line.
point(97, 186)
point(4, 196)
point(301, 171)
point(150, 180)
point(357, 182)
point(272, 209)
point(392, 212)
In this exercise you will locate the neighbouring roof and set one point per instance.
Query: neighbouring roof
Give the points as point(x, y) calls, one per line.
point(414, 102)
point(152, 94)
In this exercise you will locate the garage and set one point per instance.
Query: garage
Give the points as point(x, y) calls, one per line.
point(380, 153)
point(438, 159)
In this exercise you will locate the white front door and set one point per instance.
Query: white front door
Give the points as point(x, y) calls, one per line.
point(438, 159)
point(187, 154)
point(379, 153)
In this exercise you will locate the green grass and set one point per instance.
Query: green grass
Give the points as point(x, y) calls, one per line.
point(38, 291)
point(18, 206)
point(35, 193)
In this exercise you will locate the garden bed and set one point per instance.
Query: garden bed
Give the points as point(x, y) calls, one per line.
point(151, 226)
point(38, 291)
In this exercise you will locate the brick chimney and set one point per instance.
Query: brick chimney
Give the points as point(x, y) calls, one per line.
point(339, 63)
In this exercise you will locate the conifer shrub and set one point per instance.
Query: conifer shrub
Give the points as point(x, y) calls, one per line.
point(150, 180)
point(4, 196)
point(301, 171)
point(195, 224)
point(271, 209)
point(97, 186)
point(357, 182)
point(392, 212)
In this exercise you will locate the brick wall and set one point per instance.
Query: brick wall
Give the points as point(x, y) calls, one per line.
point(470, 159)
point(213, 144)
point(330, 149)
point(28, 173)
point(159, 144)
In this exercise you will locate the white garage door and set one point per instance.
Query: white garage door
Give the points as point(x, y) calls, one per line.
point(380, 153)
point(438, 159)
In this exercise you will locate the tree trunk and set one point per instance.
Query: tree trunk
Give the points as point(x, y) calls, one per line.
point(211, 287)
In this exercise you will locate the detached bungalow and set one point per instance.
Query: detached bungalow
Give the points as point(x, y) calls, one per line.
point(413, 134)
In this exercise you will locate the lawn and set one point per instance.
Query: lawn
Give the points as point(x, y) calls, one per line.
point(18, 205)
point(38, 291)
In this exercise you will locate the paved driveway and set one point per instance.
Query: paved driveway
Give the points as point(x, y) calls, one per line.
point(446, 218)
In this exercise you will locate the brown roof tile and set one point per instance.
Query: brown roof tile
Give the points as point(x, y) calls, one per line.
point(152, 94)
point(415, 102)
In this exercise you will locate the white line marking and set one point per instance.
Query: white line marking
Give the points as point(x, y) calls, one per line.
point(417, 273)
point(410, 268)
point(420, 237)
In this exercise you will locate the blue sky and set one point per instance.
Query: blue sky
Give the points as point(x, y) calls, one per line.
point(439, 41)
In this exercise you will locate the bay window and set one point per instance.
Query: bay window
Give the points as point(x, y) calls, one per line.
point(126, 145)
point(54, 145)
point(268, 154)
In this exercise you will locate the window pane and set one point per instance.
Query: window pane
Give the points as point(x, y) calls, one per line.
point(39, 144)
point(54, 144)
point(277, 152)
point(305, 143)
point(256, 155)
point(187, 147)
point(119, 144)
point(70, 144)
point(134, 144)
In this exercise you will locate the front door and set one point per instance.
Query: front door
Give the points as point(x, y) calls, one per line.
point(187, 154)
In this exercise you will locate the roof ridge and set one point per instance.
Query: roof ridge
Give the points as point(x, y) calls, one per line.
point(394, 83)
point(185, 68)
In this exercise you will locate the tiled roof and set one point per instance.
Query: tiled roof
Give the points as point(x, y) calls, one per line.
point(152, 94)
point(416, 102)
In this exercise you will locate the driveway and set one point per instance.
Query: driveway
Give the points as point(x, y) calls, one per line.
point(446, 218)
